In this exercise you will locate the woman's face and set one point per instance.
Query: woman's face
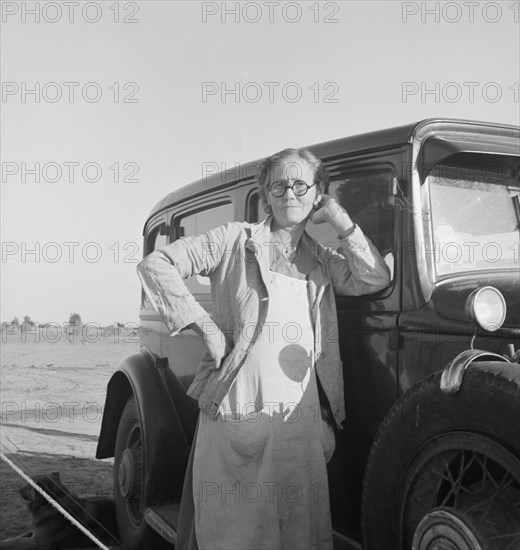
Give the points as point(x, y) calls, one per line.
point(291, 209)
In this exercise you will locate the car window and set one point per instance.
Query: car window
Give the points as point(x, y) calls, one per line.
point(203, 220)
point(155, 240)
point(158, 241)
point(364, 195)
point(475, 212)
point(255, 208)
point(196, 223)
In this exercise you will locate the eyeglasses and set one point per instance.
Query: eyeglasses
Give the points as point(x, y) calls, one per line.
point(299, 188)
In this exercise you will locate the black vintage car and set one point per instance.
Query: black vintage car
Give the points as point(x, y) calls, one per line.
point(429, 457)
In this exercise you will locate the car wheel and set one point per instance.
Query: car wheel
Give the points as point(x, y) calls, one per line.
point(444, 470)
point(129, 470)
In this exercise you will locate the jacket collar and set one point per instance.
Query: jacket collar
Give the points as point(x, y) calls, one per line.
point(260, 230)
point(261, 233)
point(317, 278)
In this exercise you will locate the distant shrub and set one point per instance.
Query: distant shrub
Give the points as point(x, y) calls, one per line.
point(75, 319)
point(27, 321)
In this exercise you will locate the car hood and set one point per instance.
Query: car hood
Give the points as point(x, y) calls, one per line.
point(449, 297)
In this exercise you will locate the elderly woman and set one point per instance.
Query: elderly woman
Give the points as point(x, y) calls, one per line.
point(271, 379)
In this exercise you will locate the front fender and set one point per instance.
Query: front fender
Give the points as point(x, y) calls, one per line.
point(453, 373)
point(166, 446)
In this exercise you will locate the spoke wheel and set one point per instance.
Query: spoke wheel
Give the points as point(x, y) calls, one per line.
point(461, 492)
point(444, 470)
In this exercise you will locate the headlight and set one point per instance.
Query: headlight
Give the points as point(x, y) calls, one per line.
point(487, 307)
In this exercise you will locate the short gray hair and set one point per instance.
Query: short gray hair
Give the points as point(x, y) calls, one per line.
point(321, 174)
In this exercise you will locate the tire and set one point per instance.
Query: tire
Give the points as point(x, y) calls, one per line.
point(444, 470)
point(129, 478)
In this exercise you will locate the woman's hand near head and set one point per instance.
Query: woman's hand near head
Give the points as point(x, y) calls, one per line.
point(324, 209)
point(327, 210)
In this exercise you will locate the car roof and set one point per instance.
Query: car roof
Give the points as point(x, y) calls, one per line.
point(377, 140)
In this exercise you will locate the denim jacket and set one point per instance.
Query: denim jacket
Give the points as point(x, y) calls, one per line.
point(231, 256)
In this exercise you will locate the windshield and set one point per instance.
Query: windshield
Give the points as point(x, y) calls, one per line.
point(475, 213)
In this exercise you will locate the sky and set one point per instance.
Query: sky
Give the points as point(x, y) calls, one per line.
point(108, 106)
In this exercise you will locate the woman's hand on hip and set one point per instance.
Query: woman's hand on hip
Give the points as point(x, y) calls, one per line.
point(218, 350)
point(217, 346)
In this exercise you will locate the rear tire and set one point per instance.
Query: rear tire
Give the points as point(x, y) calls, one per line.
point(129, 478)
point(447, 468)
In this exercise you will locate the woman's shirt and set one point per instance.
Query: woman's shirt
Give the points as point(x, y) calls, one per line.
point(232, 257)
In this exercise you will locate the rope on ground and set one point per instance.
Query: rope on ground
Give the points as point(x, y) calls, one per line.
point(56, 505)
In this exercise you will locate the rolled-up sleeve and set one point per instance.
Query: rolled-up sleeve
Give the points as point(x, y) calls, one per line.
point(356, 267)
point(162, 273)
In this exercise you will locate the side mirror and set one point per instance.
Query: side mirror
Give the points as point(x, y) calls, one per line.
point(390, 201)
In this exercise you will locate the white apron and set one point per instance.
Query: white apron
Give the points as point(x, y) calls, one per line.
point(259, 469)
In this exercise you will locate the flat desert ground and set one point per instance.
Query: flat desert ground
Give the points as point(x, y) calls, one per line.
point(52, 395)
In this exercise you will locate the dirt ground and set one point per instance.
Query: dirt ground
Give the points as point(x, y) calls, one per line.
point(52, 396)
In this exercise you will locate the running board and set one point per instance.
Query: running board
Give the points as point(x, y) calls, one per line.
point(162, 519)
point(342, 542)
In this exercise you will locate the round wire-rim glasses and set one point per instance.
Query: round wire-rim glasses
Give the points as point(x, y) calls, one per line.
point(299, 188)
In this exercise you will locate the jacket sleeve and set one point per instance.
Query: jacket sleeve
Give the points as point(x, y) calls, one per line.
point(162, 273)
point(356, 267)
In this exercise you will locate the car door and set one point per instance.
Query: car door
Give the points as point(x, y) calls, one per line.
point(185, 349)
point(367, 327)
